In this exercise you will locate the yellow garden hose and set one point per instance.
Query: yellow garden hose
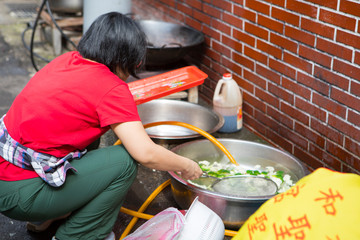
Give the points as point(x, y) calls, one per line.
point(144, 206)
point(139, 214)
point(196, 129)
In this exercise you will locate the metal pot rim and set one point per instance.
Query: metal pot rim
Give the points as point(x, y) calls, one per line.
point(228, 197)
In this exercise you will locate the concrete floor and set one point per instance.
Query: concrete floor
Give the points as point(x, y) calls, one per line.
point(15, 71)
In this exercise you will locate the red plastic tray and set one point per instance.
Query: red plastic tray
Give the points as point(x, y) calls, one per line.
point(167, 83)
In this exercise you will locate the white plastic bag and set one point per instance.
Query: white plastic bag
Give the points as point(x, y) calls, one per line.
point(165, 225)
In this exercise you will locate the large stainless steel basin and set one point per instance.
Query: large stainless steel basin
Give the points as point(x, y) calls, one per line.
point(234, 211)
point(181, 111)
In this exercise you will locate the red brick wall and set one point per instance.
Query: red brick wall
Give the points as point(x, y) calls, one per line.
point(298, 63)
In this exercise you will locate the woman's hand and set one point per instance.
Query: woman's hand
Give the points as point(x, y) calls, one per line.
point(192, 171)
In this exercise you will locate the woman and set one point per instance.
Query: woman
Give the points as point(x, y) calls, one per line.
point(45, 173)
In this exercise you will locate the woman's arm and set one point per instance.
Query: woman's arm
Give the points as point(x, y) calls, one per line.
point(136, 141)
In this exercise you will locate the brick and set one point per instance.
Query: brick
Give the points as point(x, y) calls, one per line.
point(214, 55)
point(315, 56)
point(348, 39)
point(352, 146)
point(212, 11)
point(294, 138)
point(231, 65)
point(302, 7)
point(279, 117)
point(357, 57)
point(270, 24)
point(257, 56)
point(266, 97)
point(328, 3)
point(297, 62)
point(194, 4)
point(280, 67)
point(232, 43)
point(233, 20)
point(334, 49)
point(329, 104)
point(243, 61)
point(300, 35)
point(258, 6)
point(355, 88)
point(270, 49)
point(184, 9)
point(181, 17)
point(346, 69)
point(294, 113)
point(343, 155)
point(285, 16)
point(222, 49)
point(220, 26)
point(313, 83)
point(350, 7)
point(354, 118)
point(344, 127)
point(309, 134)
point(200, 16)
point(283, 42)
point(192, 23)
point(279, 140)
point(254, 124)
point(214, 34)
point(241, 2)
point(307, 158)
point(281, 93)
point(349, 169)
point(253, 101)
point(331, 77)
point(223, 4)
point(317, 28)
point(244, 37)
point(244, 13)
point(256, 31)
point(245, 86)
point(255, 79)
point(325, 130)
point(268, 74)
point(266, 120)
point(296, 88)
point(346, 99)
point(329, 161)
point(337, 19)
point(280, 3)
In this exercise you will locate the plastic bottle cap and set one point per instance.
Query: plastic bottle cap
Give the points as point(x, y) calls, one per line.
point(227, 76)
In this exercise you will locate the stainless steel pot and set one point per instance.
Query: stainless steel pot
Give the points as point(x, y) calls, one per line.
point(174, 110)
point(234, 211)
point(69, 6)
point(169, 42)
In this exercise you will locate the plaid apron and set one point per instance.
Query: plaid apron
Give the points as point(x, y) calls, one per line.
point(51, 169)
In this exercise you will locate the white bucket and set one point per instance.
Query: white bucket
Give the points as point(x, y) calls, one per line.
point(201, 223)
point(95, 8)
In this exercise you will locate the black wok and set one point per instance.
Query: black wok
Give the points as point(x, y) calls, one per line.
point(169, 42)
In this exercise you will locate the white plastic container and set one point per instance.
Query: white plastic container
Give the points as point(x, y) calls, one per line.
point(227, 101)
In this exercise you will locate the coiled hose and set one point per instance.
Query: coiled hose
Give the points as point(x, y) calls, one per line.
point(139, 214)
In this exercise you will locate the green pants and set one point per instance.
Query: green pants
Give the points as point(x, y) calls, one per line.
point(94, 195)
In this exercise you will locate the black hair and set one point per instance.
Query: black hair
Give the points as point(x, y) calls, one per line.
point(116, 41)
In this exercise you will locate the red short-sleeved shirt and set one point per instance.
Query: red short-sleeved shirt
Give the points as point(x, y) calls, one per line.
point(66, 106)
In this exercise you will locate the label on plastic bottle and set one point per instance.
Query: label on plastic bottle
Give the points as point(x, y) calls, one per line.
point(239, 118)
